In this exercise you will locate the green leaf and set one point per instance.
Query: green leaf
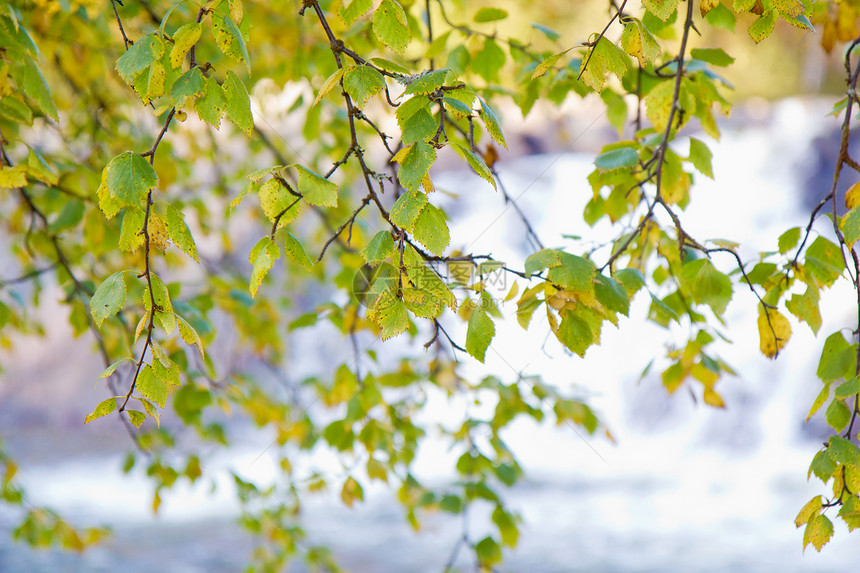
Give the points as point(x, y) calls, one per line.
point(70, 215)
point(189, 334)
point(638, 42)
point(151, 387)
point(179, 232)
point(103, 409)
point(850, 225)
point(805, 307)
point(722, 17)
point(488, 552)
point(551, 34)
point(850, 513)
point(390, 66)
point(405, 210)
point(837, 359)
point(362, 82)
point(415, 162)
point(822, 466)
point(700, 157)
point(13, 108)
point(390, 25)
point(190, 86)
point(492, 124)
point(818, 531)
point(632, 279)
point(431, 230)
point(427, 83)
point(714, 56)
point(451, 504)
point(489, 61)
point(39, 169)
point(142, 54)
point(422, 303)
point(605, 57)
point(661, 8)
point(848, 389)
point(131, 233)
point(575, 333)
point(150, 83)
point(112, 368)
point(844, 452)
point(330, 83)
point(479, 333)
point(788, 240)
point(238, 104)
point(574, 273)
point(476, 163)
point(459, 108)
point(263, 258)
point(183, 39)
point(620, 158)
point(507, 526)
point(351, 12)
point(420, 126)
point(164, 316)
point(128, 178)
point(380, 247)
point(274, 198)
point(823, 261)
point(393, 319)
point(211, 105)
point(229, 39)
point(316, 189)
point(611, 294)
point(109, 298)
point(543, 259)
point(761, 29)
point(837, 415)
point(707, 285)
point(490, 14)
point(136, 418)
point(296, 252)
point(547, 63)
point(167, 373)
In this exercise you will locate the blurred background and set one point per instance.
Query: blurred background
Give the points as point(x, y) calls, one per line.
point(682, 487)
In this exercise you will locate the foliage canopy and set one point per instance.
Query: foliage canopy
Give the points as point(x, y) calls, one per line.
point(130, 151)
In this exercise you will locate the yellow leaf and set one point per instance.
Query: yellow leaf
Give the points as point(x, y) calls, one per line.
point(237, 11)
point(813, 507)
point(12, 177)
point(818, 531)
point(427, 184)
point(184, 38)
point(713, 399)
point(706, 6)
point(400, 155)
point(852, 196)
point(515, 288)
point(329, 84)
point(158, 236)
point(774, 331)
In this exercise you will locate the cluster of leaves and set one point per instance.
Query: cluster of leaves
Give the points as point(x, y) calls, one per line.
point(101, 212)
